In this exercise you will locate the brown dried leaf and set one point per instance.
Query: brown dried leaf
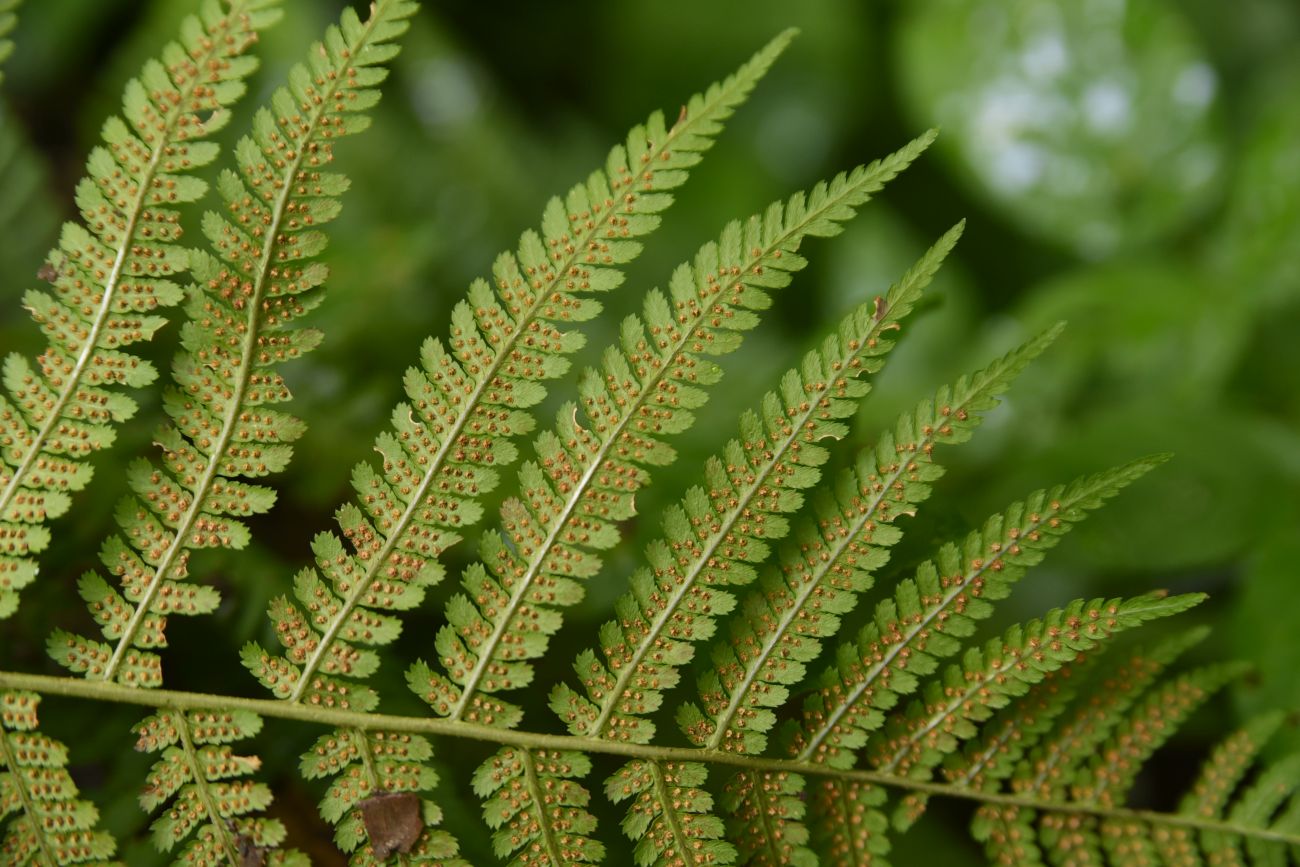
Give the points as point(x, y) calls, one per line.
point(392, 821)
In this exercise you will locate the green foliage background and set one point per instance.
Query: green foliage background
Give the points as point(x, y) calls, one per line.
point(1133, 168)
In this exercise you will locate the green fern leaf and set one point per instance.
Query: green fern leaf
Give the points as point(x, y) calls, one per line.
point(766, 819)
point(239, 329)
point(1209, 796)
point(1047, 769)
point(780, 625)
point(449, 442)
point(203, 783)
point(54, 825)
point(111, 273)
point(927, 615)
point(586, 476)
point(714, 535)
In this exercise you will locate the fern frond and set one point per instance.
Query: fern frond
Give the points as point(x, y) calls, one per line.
point(715, 535)
point(467, 404)
point(468, 396)
point(670, 815)
point(851, 828)
point(111, 273)
point(240, 327)
point(539, 815)
point(1209, 796)
point(913, 741)
point(203, 785)
point(780, 625)
point(926, 616)
point(1046, 768)
point(766, 819)
point(586, 476)
point(53, 826)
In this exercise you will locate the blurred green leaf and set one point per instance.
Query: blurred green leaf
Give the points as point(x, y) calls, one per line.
point(1089, 121)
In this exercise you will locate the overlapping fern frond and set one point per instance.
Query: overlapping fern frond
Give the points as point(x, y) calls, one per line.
point(110, 276)
point(587, 472)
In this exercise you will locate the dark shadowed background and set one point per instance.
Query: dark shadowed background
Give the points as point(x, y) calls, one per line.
point(1131, 167)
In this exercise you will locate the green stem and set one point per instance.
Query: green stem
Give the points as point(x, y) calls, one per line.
point(166, 698)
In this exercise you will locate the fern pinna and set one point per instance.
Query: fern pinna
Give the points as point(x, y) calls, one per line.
point(109, 276)
point(827, 745)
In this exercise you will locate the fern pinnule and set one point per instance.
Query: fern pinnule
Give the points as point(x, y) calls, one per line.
point(1048, 761)
point(715, 535)
point(586, 477)
point(915, 739)
point(210, 801)
point(1210, 795)
point(670, 815)
point(835, 550)
point(54, 825)
point(109, 274)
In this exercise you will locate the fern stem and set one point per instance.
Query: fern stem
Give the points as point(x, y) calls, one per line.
point(235, 405)
point(165, 698)
point(25, 798)
point(648, 388)
point(72, 381)
point(457, 428)
point(200, 780)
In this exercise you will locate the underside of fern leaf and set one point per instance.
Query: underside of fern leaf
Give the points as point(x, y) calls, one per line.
point(1046, 729)
point(467, 403)
point(111, 274)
